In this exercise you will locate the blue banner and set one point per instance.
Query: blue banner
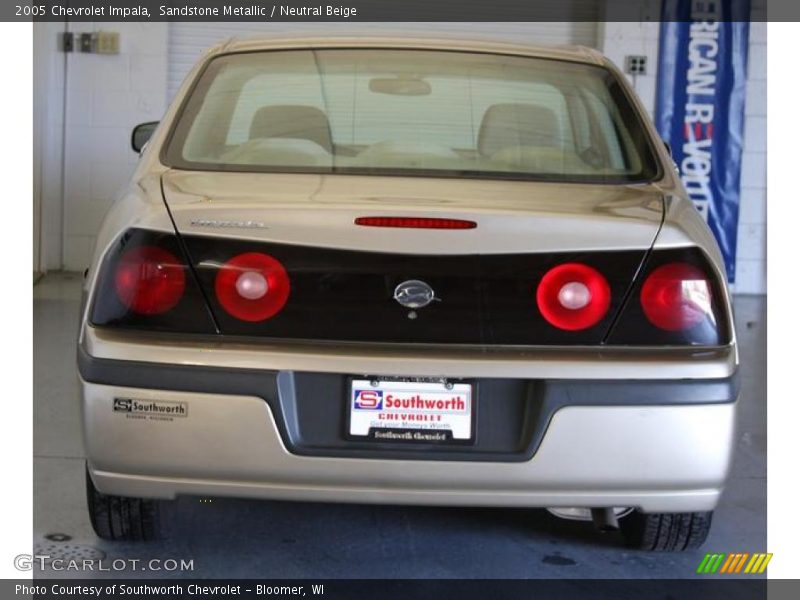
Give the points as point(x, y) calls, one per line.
point(700, 106)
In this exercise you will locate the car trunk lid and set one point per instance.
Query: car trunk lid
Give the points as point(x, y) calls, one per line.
point(344, 276)
point(511, 216)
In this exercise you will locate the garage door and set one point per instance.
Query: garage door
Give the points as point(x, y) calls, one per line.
point(187, 41)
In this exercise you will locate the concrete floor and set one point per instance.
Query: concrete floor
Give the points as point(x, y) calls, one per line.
point(242, 538)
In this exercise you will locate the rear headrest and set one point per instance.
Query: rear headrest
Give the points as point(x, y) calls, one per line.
point(515, 125)
point(286, 121)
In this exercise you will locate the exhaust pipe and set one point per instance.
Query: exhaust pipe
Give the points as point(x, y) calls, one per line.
point(604, 519)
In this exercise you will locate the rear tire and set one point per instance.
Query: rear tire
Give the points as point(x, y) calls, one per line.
point(665, 532)
point(118, 518)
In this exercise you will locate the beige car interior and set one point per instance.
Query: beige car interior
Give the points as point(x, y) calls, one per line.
point(511, 136)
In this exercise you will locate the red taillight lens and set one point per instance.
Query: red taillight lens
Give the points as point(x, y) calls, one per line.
point(676, 296)
point(573, 296)
point(149, 280)
point(416, 222)
point(252, 286)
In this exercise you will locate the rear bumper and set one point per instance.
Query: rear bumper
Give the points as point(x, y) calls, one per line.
point(659, 445)
point(657, 458)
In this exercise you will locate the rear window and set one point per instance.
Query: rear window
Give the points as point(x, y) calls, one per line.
point(411, 112)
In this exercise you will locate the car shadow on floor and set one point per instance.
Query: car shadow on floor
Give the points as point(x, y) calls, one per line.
point(347, 540)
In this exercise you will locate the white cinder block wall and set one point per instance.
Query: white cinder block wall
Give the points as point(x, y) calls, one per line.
point(107, 95)
point(48, 132)
point(751, 259)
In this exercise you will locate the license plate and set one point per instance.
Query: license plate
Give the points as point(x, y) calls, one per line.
point(411, 411)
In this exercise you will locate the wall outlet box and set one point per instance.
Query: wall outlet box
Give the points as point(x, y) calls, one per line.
point(107, 42)
point(85, 42)
point(66, 41)
point(636, 64)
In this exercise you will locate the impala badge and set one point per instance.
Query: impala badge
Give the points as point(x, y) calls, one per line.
point(228, 224)
point(414, 294)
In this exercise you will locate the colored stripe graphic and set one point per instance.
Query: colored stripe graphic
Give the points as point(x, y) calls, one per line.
point(758, 564)
point(711, 563)
point(754, 563)
point(732, 558)
point(715, 567)
point(701, 568)
point(766, 561)
point(741, 562)
point(734, 563)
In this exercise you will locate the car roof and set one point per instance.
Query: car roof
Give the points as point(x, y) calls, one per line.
point(420, 41)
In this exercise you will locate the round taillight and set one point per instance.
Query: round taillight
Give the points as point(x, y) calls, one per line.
point(676, 296)
point(573, 296)
point(149, 280)
point(252, 286)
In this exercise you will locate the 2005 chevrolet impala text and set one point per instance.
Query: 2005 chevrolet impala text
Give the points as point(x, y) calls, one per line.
point(407, 270)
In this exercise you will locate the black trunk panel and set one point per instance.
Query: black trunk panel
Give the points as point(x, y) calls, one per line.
point(343, 295)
